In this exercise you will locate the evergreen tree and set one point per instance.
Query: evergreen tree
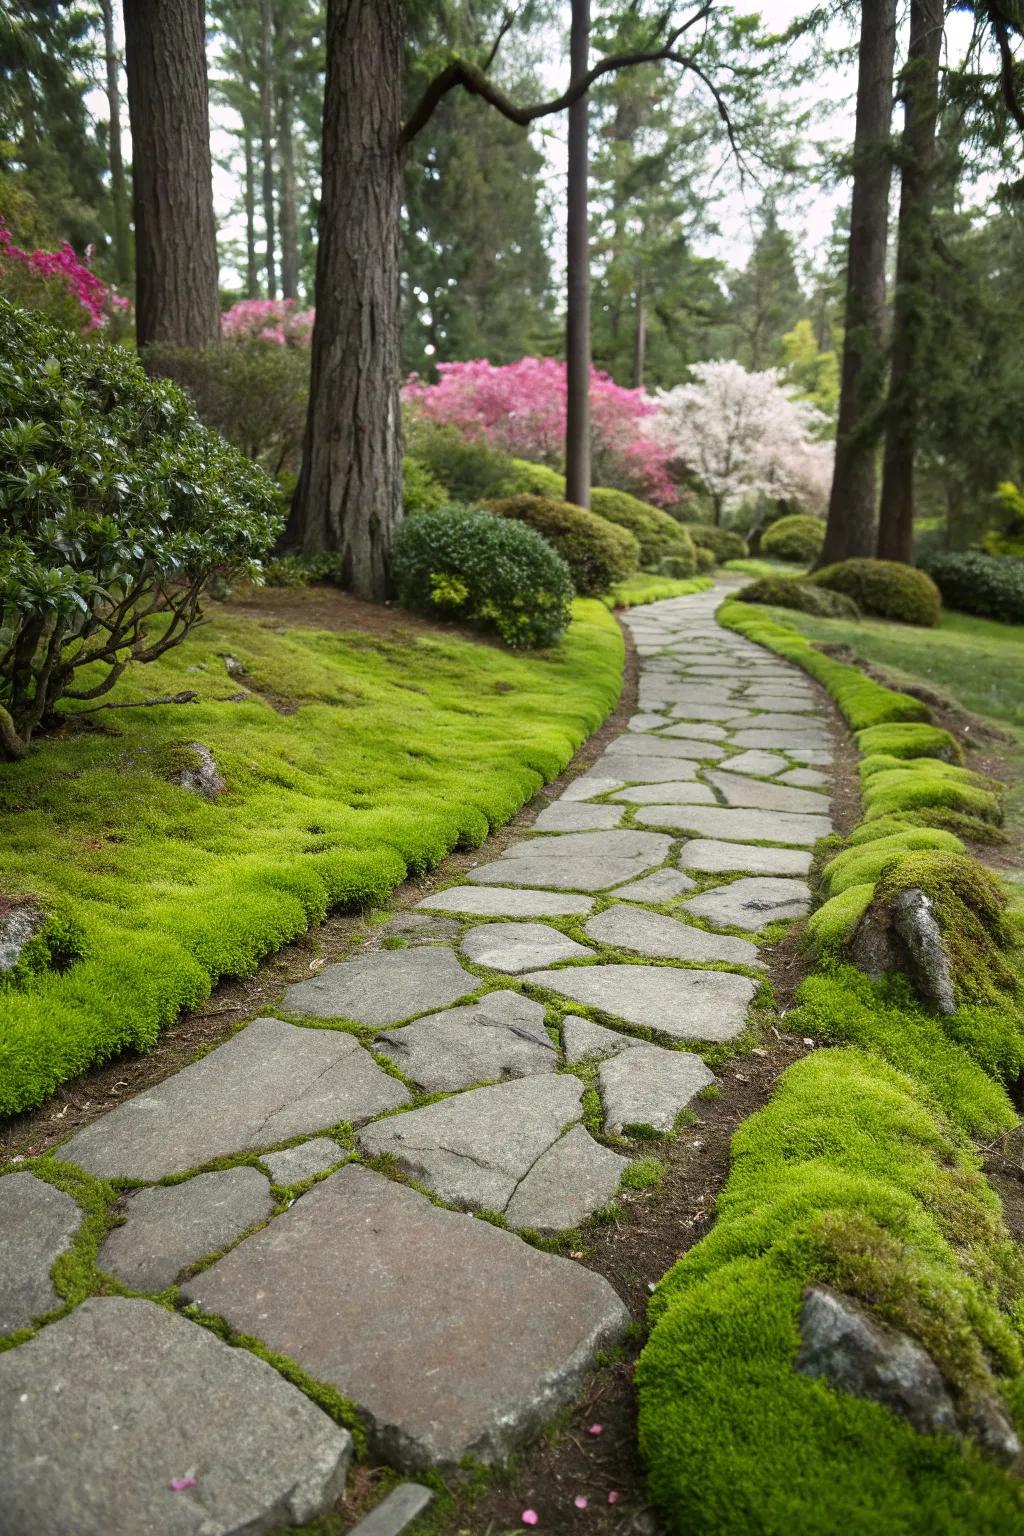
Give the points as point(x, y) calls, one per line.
point(765, 299)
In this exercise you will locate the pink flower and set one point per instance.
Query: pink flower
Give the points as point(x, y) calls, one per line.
point(64, 267)
point(520, 408)
point(277, 321)
point(581, 1501)
point(530, 1517)
point(613, 1497)
point(596, 1429)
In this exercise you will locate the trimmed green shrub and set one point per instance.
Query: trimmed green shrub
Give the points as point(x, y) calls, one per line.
point(658, 534)
point(117, 507)
point(469, 470)
point(990, 586)
point(523, 478)
point(786, 592)
point(597, 553)
point(705, 557)
point(885, 588)
point(420, 491)
point(255, 395)
point(675, 567)
point(486, 571)
point(724, 543)
point(797, 538)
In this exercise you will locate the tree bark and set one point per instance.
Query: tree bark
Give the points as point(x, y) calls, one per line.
point(911, 305)
point(577, 325)
point(176, 265)
point(289, 219)
point(252, 263)
point(850, 530)
point(118, 181)
point(349, 497)
point(267, 139)
point(640, 338)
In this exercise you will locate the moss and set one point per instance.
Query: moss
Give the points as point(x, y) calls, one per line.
point(397, 751)
point(643, 1173)
point(890, 791)
point(788, 592)
point(863, 864)
point(831, 926)
point(636, 590)
point(969, 906)
point(914, 740)
point(849, 1177)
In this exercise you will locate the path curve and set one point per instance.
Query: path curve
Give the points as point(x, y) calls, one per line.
point(500, 1054)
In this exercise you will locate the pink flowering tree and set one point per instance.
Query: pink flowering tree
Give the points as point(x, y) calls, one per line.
point(520, 408)
point(278, 321)
point(743, 435)
point(58, 282)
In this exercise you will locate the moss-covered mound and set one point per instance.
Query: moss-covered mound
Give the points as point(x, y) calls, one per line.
point(917, 740)
point(886, 588)
point(788, 592)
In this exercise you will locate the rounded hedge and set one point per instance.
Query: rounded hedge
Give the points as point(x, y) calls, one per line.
point(658, 534)
point(486, 571)
point(597, 552)
point(786, 592)
point(990, 586)
point(705, 558)
point(724, 543)
point(797, 538)
point(885, 588)
point(521, 477)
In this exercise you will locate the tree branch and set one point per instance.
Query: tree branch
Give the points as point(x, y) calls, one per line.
point(475, 80)
point(171, 698)
point(1008, 78)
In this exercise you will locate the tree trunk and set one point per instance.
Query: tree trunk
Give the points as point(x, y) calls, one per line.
point(911, 306)
point(118, 182)
point(577, 327)
point(851, 514)
point(176, 268)
point(252, 264)
point(640, 338)
point(267, 138)
point(349, 497)
point(289, 219)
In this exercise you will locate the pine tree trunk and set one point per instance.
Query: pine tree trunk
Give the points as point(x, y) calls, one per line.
point(267, 139)
point(252, 264)
point(289, 219)
point(640, 338)
point(577, 328)
point(118, 181)
point(176, 267)
point(851, 514)
point(349, 497)
point(911, 306)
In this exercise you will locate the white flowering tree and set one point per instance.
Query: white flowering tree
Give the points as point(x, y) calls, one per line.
point(744, 435)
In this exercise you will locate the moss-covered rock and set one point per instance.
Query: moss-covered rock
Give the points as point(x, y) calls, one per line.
point(910, 740)
point(863, 863)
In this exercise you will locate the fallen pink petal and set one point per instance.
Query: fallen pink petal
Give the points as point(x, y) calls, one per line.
point(179, 1484)
point(531, 1517)
point(581, 1501)
point(613, 1497)
point(596, 1429)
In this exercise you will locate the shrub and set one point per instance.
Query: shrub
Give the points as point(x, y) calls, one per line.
point(987, 585)
point(469, 469)
point(658, 534)
point(420, 491)
point(255, 395)
point(676, 567)
point(521, 478)
point(796, 538)
point(117, 509)
point(705, 557)
point(486, 571)
point(784, 592)
point(1008, 540)
point(724, 543)
point(886, 588)
point(597, 553)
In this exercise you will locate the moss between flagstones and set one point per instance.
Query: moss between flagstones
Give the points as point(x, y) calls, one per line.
point(373, 759)
point(859, 1174)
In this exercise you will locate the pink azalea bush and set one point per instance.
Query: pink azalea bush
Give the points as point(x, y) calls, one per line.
point(279, 321)
point(63, 269)
point(520, 409)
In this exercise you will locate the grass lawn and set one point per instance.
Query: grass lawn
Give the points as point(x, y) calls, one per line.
point(352, 760)
point(978, 663)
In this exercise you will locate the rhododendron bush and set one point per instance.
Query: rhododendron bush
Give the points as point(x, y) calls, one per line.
point(520, 408)
point(279, 321)
point(744, 435)
point(58, 282)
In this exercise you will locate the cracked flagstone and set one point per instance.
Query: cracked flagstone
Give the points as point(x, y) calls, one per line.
point(471, 901)
point(502, 1035)
point(519, 946)
point(38, 1223)
point(684, 1004)
point(666, 938)
point(649, 1087)
point(382, 987)
point(751, 903)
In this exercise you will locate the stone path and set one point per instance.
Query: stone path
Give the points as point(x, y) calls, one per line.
point(315, 1183)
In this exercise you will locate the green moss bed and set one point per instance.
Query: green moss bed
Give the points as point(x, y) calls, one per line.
point(351, 761)
point(863, 1174)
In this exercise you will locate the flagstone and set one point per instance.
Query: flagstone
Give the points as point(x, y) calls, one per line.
point(661, 886)
point(294, 1165)
point(577, 816)
point(737, 825)
point(502, 1035)
point(666, 938)
point(649, 1087)
point(685, 1004)
point(472, 901)
point(804, 778)
point(382, 987)
point(582, 1040)
point(38, 1222)
point(707, 857)
point(737, 790)
point(752, 903)
point(518, 946)
point(762, 764)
